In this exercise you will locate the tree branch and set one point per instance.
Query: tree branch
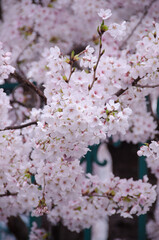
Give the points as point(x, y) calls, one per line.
point(147, 86)
point(19, 127)
point(121, 91)
point(8, 194)
point(23, 79)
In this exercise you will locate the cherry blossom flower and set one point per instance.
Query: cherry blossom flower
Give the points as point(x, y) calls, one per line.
point(117, 31)
point(105, 14)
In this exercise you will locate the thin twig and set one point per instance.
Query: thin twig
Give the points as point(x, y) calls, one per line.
point(95, 67)
point(146, 10)
point(19, 126)
point(71, 71)
point(147, 86)
point(94, 195)
point(20, 103)
point(109, 196)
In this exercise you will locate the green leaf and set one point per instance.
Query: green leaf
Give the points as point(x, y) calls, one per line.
point(59, 110)
point(64, 77)
point(47, 68)
point(126, 199)
point(76, 57)
point(72, 54)
point(112, 193)
point(50, 5)
point(78, 209)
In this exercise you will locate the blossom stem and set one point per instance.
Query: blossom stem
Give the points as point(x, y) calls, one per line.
point(147, 86)
point(71, 71)
point(98, 60)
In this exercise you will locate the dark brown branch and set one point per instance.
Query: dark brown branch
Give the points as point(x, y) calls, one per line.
point(8, 194)
point(146, 10)
point(121, 91)
point(147, 86)
point(19, 127)
point(23, 79)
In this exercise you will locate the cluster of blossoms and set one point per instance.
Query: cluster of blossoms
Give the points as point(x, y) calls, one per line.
point(117, 119)
point(101, 198)
point(129, 67)
point(60, 181)
point(75, 111)
point(90, 96)
point(14, 176)
point(61, 191)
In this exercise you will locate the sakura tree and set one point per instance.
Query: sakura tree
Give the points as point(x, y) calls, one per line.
point(93, 68)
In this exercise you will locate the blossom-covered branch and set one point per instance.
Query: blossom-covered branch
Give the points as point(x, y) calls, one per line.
point(103, 98)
